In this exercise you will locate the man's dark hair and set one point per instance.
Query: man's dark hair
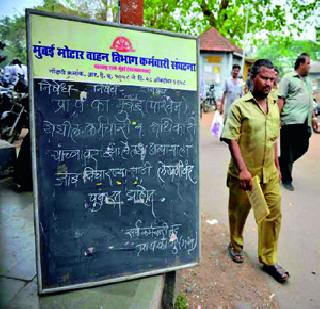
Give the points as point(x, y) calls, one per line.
point(301, 59)
point(16, 61)
point(236, 66)
point(277, 70)
point(255, 69)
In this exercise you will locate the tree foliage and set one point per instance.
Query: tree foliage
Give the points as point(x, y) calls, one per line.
point(161, 15)
point(284, 52)
point(228, 16)
point(56, 6)
point(13, 30)
point(267, 19)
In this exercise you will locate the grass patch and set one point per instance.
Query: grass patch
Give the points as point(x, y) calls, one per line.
point(181, 302)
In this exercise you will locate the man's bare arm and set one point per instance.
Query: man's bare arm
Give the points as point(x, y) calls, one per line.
point(276, 159)
point(280, 103)
point(222, 103)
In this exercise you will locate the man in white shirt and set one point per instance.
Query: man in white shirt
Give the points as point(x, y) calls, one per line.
point(232, 90)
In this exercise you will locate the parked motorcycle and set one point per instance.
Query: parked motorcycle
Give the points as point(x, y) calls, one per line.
point(208, 103)
point(14, 113)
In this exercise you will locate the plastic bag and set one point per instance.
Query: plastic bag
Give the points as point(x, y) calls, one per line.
point(217, 125)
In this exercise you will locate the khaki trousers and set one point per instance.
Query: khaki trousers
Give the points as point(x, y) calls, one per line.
point(268, 229)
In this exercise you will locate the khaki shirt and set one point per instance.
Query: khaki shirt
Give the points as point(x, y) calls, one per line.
point(256, 133)
point(297, 93)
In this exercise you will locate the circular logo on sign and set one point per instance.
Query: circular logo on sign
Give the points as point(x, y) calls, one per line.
point(122, 44)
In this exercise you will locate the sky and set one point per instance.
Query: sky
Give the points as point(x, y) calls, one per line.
point(11, 7)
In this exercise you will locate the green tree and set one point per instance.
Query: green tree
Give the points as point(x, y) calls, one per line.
point(13, 30)
point(268, 18)
point(160, 14)
point(228, 16)
point(284, 52)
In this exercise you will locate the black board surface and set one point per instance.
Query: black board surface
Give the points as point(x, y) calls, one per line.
point(117, 178)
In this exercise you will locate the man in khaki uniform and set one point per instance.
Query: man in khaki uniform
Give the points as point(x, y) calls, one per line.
point(251, 130)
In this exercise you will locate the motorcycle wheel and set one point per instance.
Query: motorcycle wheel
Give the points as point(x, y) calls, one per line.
point(10, 138)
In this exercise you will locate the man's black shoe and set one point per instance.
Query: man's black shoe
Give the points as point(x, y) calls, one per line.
point(288, 186)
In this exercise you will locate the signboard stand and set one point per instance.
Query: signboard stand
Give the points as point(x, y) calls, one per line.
point(115, 144)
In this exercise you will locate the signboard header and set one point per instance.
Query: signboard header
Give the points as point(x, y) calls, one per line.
point(69, 50)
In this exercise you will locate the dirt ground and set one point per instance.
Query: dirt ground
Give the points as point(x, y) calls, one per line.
point(220, 283)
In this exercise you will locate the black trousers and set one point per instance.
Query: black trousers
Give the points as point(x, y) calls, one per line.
point(23, 167)
point(294, 142)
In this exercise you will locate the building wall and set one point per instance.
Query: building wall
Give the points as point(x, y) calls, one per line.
point(315, 79)
point(215, 67)
point(247, 66)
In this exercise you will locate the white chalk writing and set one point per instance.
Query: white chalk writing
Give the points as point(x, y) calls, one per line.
point(160, 237)
point(93, 175)
point(108, 89)
point(55, 87)
point(97, 200)
point(167, 126)
point(140, 195)
point(101, 129)
point(80, 106)
point(179, 170)
point(124, 151)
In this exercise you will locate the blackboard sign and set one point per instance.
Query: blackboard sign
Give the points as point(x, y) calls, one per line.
point(116, 173)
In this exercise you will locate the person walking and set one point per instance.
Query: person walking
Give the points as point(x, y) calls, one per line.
point(251, 131)
point(232, 90)
point(297, 117)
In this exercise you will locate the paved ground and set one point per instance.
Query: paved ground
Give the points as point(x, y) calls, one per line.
point(18, 282)
point(299, 247)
